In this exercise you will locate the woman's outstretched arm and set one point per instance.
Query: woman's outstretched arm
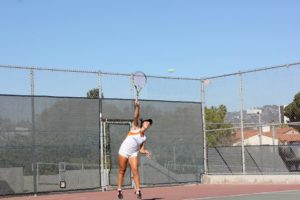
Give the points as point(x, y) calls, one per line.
point(136, 114)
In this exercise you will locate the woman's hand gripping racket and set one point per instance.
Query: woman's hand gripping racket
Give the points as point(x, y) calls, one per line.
point(139, 81)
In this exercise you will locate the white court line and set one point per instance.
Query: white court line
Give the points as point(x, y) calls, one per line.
point(247, 194)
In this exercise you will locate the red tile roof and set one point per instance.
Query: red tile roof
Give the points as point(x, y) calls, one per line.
point(283, 134)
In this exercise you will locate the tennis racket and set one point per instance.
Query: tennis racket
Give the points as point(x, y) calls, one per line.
point(139, 81)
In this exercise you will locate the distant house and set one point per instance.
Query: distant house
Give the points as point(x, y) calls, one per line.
point(281, 136)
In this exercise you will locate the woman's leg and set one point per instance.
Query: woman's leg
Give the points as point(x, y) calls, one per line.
point(134, 164)
point(122, 169)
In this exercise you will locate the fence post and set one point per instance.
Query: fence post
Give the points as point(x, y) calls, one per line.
point(101, 132)
point(242, 123)
point(34, 156)
point(31, 81)
point(273, 128)
point(273, 134)
point(204, 127)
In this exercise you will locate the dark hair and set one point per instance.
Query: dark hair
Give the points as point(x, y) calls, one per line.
point(145, 120)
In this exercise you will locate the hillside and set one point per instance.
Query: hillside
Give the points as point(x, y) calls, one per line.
point(270, 114)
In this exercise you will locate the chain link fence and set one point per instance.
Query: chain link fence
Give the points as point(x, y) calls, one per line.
point(252, 121)
point(60, 129)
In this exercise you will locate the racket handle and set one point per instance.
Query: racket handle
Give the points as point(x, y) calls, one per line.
point(137, 96)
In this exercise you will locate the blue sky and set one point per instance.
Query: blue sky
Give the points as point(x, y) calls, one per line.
point(198, 38)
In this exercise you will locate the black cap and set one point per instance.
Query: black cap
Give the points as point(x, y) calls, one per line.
point(147, 120)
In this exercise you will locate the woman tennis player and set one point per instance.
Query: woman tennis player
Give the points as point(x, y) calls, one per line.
point(128, 152)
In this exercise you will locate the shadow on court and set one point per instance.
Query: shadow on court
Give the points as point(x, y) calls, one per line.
point(153, 199)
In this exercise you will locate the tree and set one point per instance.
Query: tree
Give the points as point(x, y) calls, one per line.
point(292, 111)
point(94, 94)
point(220, 133)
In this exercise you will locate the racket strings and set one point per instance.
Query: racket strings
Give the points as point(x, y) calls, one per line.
point(139, 80)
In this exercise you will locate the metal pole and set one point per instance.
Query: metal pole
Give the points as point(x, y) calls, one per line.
point(104, 141)
point(104, 183)
point(242, 123)
point(34, 156)
point(174, 156)
point(273, 135)
point(204, 127)
point(279, 115)
point(273, 141)
point(32, 82)
point(260, 128)
point(260, 140)
point(101, 132)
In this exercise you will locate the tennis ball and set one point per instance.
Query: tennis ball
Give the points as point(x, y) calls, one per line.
point(171, 70)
